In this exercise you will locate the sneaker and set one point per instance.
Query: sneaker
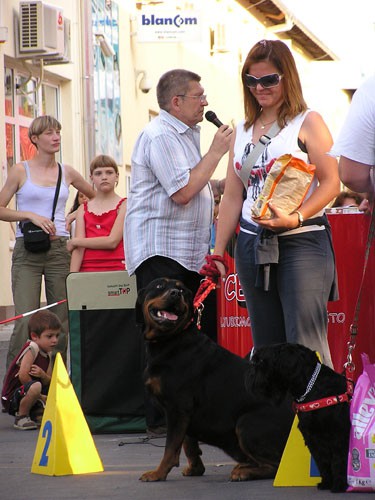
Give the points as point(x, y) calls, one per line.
point(24, 423)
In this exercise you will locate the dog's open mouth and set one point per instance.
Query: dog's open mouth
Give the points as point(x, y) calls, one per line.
point(162, 316)
point(166, 308)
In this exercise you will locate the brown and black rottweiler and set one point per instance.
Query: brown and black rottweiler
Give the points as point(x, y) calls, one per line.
point(201, 387)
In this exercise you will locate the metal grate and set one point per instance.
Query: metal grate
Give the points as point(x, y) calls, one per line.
point(29, 21)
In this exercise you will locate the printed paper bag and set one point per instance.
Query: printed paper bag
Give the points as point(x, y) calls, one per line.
point(287, 183)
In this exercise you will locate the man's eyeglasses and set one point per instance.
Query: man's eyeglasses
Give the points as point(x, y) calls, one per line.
point(266, 81)
point(202, 98)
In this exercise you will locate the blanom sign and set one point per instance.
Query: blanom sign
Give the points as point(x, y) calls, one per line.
point(164, 25)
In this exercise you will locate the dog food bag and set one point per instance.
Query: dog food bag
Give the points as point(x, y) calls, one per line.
point(361, 458)
point(287, 184)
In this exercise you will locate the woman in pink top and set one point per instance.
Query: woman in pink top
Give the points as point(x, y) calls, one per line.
point(98, 242)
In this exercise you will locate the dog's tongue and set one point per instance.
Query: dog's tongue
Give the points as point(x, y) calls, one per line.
point(167, 315)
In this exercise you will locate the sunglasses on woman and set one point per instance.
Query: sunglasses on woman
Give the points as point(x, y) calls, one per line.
point(266, 81)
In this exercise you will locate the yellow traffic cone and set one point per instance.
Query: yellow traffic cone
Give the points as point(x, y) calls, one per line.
point(65, 444)
point(297, 467)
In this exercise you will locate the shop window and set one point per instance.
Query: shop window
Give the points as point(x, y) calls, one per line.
point(107, 104)
point(49, 100)
point(24, 101)
point(27, 149)
point(8, 86)
point(9, 134)
point(26, 96)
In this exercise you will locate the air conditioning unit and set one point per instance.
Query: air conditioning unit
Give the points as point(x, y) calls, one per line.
point(41, 30)
point(66, 56)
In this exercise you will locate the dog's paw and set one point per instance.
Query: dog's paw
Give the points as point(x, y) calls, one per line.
point(247, 472)
point(239, 473)
point(197, 469)
point(152, 476)
point(339, 486)
point(325, 485)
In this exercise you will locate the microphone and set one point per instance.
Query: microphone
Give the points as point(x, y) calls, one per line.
point(211, 117)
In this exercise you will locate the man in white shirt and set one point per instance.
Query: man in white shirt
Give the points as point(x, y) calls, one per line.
point(356, 142)
point(170, 204)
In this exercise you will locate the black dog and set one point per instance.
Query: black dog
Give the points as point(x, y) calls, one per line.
point(201, 387)
point(324, 423)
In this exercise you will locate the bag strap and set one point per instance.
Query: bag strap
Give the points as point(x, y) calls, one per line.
point(248, 164)
point(57, 191)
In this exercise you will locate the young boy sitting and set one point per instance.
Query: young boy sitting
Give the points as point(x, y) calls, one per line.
point(28, 377)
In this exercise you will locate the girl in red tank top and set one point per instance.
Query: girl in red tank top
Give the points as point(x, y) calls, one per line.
point(98, 241)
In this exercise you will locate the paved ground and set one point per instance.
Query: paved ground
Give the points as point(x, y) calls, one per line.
point(125, 457)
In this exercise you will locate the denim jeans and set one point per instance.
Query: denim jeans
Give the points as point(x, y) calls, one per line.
point(295, 307)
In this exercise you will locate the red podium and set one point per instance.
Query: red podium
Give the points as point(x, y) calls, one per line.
point(349, 232)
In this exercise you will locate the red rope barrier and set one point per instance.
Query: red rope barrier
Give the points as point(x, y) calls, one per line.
point(31, 312)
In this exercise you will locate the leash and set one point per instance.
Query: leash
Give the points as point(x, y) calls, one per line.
point(208, 284)
point(203, 291)
point(349, 365)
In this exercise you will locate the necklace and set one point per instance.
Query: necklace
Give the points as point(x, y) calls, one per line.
point(264, 125)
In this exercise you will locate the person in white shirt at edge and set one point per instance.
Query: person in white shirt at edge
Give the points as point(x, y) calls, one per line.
point(356, 143)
